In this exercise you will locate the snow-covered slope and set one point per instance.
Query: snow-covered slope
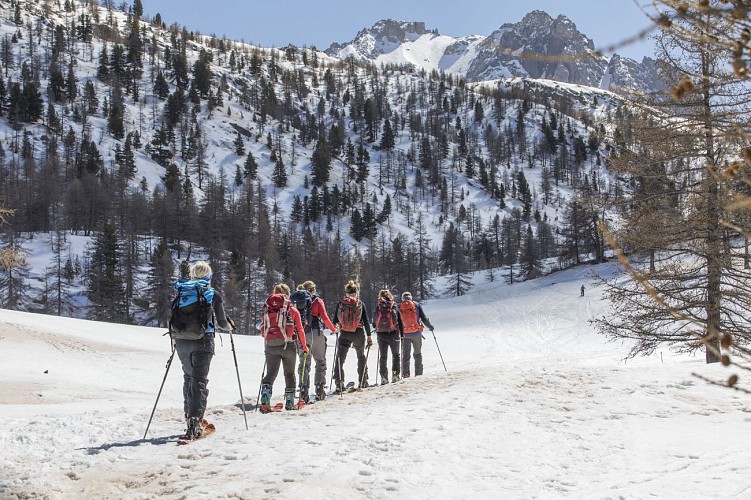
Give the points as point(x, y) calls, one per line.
point(534, 405)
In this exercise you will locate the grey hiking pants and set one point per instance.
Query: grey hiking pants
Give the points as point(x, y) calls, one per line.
point(412, 340)
point(317, 345)
point(280, 355)
point(386, 341)
point(347, 340)
point(195, 356)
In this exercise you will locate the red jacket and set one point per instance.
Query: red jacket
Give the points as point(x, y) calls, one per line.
point(296, 324)
point(318, 310)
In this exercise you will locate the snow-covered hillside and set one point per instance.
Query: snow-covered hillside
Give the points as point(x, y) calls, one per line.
point(534, 405)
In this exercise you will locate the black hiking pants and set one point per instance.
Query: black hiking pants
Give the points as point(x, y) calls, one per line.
point(347, 340)
point(195, 356)
point(386, 341)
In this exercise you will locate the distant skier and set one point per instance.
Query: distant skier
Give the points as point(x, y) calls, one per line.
point(582, 291)
point(413, 319)
point(197, 309)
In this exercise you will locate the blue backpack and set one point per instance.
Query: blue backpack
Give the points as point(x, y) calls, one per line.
point(192, 310)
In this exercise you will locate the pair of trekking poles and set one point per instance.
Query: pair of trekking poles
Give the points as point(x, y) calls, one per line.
point(302, 378)
point(237, 370)
point(338, 365)
point(367, 355)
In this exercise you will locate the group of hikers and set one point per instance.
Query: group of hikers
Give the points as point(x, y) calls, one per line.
point(293, 326)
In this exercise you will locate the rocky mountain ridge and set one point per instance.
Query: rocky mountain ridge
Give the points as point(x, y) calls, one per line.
point(538, 46)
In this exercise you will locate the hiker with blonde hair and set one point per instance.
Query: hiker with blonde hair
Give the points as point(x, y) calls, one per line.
point(196, 312)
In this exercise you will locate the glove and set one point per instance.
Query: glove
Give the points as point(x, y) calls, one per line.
point(306, 349)
point(370, 341)
point(431, 329)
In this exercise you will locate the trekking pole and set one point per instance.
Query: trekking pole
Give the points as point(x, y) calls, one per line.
point(401, 355)
point(340, 373)
point(302, 377)
point(439, 350)
point(365, 369)
point(378, 364)
point(169, 363)
point(263, 372)
point(333, 366)
point(237, 370)
point(300, 366)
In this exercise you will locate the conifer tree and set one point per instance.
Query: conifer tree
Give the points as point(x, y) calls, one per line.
point(161, 278)
point(239, 144)
point(279, 177)
point(106, 289)
point(251, 167)
point(688, 134)
point(387, 136)
point(321, 163)
point(357, 229)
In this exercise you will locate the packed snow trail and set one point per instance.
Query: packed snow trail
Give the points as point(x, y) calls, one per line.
point(534, 405)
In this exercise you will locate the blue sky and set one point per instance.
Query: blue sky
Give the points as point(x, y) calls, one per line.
point(279, 22)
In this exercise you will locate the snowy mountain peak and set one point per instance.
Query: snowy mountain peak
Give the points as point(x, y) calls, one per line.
point(383, 37)
point(538, 46)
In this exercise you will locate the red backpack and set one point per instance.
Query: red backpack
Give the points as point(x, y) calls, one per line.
point(274, 318)
point(410, 316)
point(386, 316)
point(350, 312)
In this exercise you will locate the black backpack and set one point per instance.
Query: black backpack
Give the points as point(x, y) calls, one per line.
point(302, 301)
point(192, 310)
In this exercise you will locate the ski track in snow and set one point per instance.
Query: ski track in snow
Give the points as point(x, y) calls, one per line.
point(535, 405)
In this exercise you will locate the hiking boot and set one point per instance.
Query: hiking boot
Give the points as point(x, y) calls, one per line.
point(195, 428)
point(320, 392)
point(406, 375)
point(384, 379)
point(304, 394)
point(339, 387)
point(364, 384)
point(395, 378)
point(266, 396)
point(289, 399)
